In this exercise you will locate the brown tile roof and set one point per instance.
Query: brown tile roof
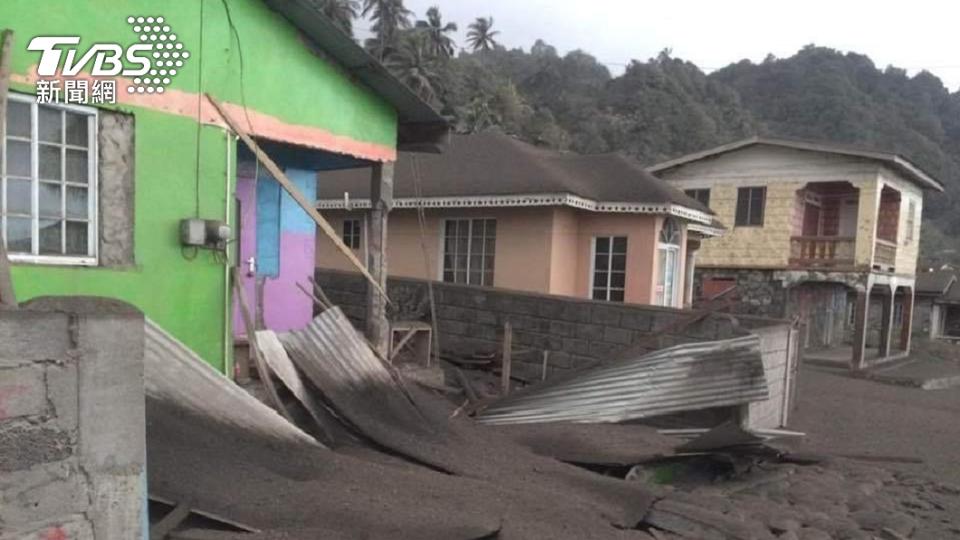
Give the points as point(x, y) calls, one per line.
point(497, 164)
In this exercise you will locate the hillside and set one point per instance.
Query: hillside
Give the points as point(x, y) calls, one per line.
point(666, 107)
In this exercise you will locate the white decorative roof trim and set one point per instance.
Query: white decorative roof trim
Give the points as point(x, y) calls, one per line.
point(557, 199)
point(705, 230)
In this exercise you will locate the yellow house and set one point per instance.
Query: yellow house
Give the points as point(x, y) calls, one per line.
point(504, 213)
point(815, 231)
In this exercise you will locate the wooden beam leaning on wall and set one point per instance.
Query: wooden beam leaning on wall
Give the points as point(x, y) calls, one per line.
point(291, 188)
point(8, 298)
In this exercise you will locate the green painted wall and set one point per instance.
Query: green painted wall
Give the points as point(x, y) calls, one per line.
point(281, 77)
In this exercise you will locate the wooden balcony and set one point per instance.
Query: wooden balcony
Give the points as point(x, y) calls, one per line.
point(885, 254)
point(822, 251)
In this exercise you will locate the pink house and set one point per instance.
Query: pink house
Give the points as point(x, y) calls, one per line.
point(500, 212)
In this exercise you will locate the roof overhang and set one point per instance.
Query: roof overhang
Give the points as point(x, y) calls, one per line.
point(528, 200)
point(901, 164)
point(420, 127)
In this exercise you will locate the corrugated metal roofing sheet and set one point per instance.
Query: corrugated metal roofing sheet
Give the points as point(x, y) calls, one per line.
point(173, 373)
point(682, 378)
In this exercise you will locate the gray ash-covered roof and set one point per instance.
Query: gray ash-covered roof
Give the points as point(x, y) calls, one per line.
point(491, 163)
point(935, 283)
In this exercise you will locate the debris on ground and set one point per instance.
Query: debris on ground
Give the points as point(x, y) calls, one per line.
point(399, 464)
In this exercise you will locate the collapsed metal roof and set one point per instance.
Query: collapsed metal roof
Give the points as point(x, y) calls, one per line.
point(421, 127)
point(682, 378)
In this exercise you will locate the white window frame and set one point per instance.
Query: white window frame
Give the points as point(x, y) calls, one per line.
point(662, 250)
point(591, 284)
point(93, 181)
point(443, 250)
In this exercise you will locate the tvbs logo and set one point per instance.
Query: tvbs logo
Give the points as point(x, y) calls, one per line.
point(151, 62)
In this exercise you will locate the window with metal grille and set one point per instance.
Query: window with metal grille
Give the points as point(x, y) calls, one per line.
point(701, 195)
point(750, 202)
point(351, 233)
point(609, 268)
point(469, 246)
point(49, 182)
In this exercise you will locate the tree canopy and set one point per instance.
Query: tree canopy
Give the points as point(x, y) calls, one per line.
point(665, 107)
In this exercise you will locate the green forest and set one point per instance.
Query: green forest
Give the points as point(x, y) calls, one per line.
point(664, 107)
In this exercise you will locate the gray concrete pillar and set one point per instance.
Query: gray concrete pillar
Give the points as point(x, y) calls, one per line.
point(886, 324)
point(381, 201)
point(906, 330)
point(857, 362)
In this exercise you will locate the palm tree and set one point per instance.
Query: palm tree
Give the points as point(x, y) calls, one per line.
point(389, 17)
point(439, 43)
point(480, 36)
point(341, 12)
point(413, 64)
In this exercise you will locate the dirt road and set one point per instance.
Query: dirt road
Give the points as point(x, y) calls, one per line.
point(847, 415)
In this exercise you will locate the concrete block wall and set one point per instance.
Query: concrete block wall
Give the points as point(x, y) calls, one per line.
point(577, 332)
point(72, 432)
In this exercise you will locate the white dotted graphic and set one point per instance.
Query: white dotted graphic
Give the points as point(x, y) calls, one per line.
point(153, 31)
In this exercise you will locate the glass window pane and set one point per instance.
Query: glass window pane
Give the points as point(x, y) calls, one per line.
point(451, 228)
point(618, 279)
point(18, 158)
point(616, 296)
point(463, 245)
point(50, 201)
point(488, 263)
point(49, 125)
point(50, 237)
point(76, 129)
point(18, 196)
point(620, 244)
point(475, 277)
point(477, 228)
point(76, 166)
point(487, 278)
point(448, 276)
point(601, 261)
point(599, 294)
point(76, 238)
point(461, 263)
point(461, 276)
point(599, 279)
point(77, 202)
point(18, 235)
point(603, 245)
point(49, 162)
point(476, 262)
point(490, 246)
point(619, 262)
point(491, 227)
point(18, 119)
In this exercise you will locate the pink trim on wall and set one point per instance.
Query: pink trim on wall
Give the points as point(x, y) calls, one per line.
point(183, 103)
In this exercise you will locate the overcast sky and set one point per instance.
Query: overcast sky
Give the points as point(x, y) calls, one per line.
point(915, 35)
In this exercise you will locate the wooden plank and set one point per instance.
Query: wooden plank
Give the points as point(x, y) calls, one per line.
point(255, 348)
point(165, 526)
point(291, 188)
point(278, 361)
point(8, 297)
point(507, 362)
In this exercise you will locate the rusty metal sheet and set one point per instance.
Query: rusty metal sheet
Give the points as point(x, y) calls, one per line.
point(682, 378)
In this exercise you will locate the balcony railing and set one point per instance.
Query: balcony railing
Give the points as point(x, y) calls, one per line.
point(822, 250)
point(885, 253)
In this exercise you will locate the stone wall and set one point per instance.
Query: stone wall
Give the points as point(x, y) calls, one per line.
point(759, 293)
point(72, 449)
